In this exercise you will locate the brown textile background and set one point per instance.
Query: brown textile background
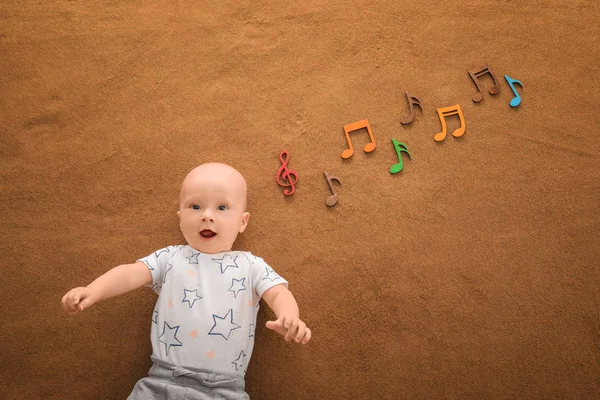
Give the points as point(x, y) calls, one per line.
point(472, 274)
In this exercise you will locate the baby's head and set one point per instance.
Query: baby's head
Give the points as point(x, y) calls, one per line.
point(212, 207)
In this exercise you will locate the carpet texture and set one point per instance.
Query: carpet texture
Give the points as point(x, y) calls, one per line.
point(471, 274)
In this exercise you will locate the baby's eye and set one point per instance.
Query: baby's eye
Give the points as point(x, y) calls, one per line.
point(222, 207)
point(195, 207)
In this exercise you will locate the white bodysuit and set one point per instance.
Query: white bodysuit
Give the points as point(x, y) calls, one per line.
point(206, 310)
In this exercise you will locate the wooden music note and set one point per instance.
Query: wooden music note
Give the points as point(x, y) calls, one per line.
point(399, 147)
point(331, 200)
point(511, 82)
point(475, 74)
point(412, 100)
point(446, 112)
point(369, 147)
point(286, 177)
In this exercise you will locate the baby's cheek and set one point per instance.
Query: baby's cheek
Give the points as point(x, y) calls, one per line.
point(187, 226)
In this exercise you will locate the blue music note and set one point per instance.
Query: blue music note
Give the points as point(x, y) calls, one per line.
point(511, 82)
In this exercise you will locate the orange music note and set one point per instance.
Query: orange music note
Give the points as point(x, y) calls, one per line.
point(412, 101)
point(369, 147)
point(475, 74)
point(331, 200)
point(446, 112)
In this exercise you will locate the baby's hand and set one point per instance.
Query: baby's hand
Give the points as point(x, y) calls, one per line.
point(291, 328)
point(77, 300)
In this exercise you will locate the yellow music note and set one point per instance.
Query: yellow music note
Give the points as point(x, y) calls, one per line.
point(369, 147)
point(446, 112)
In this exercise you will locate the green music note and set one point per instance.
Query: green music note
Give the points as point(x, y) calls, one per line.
point(399, 147)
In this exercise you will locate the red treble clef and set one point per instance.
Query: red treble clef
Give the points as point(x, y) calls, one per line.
point(286, 177)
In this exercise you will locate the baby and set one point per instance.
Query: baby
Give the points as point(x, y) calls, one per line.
point(208, 295)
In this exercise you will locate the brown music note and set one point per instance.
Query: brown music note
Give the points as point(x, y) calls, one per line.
point(331, 200)
point(369, 147)
point(475, 74)
point(446, 112)
point(412, 100)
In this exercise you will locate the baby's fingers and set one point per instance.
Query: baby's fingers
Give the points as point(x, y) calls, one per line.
point(72, 299)
point(67, 304)
point(85, 303)
point(301, 331)
point(307, 336)
point(291, 327)
point(276, 326)
point(286, 322)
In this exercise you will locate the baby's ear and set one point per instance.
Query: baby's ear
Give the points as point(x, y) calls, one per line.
point(244, 223)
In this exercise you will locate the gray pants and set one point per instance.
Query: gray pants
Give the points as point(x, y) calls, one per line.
point(170, 382)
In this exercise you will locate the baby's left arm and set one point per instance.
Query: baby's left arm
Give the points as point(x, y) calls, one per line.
point(288, 322)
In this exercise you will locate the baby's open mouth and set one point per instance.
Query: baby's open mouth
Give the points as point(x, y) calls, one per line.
point(207, 233)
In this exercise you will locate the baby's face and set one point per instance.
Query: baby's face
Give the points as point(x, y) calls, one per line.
point(212, 209)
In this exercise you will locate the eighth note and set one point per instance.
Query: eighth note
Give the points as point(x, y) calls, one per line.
point(511, 82)
point(331, 200)
point(412, 100)
point(475, 74)
point(369, 147)
point(288, 177)
point(446, 112)
point(399, 147)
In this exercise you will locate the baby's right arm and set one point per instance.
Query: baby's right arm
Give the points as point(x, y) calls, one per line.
point(117, 281)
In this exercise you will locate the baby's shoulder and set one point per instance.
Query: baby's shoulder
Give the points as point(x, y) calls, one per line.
point(169, 251)
point(251, 259)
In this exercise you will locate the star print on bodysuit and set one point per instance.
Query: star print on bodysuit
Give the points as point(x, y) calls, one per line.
point(271, 275)
point(207, 305)
point(169, 337)
point(227, 261)
point(238, 362)
point(237, 285)
point(193, 258)
point(157, 253)
point(169, 266)
point(190, 296)
point(148, 265)
point(224, 326)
